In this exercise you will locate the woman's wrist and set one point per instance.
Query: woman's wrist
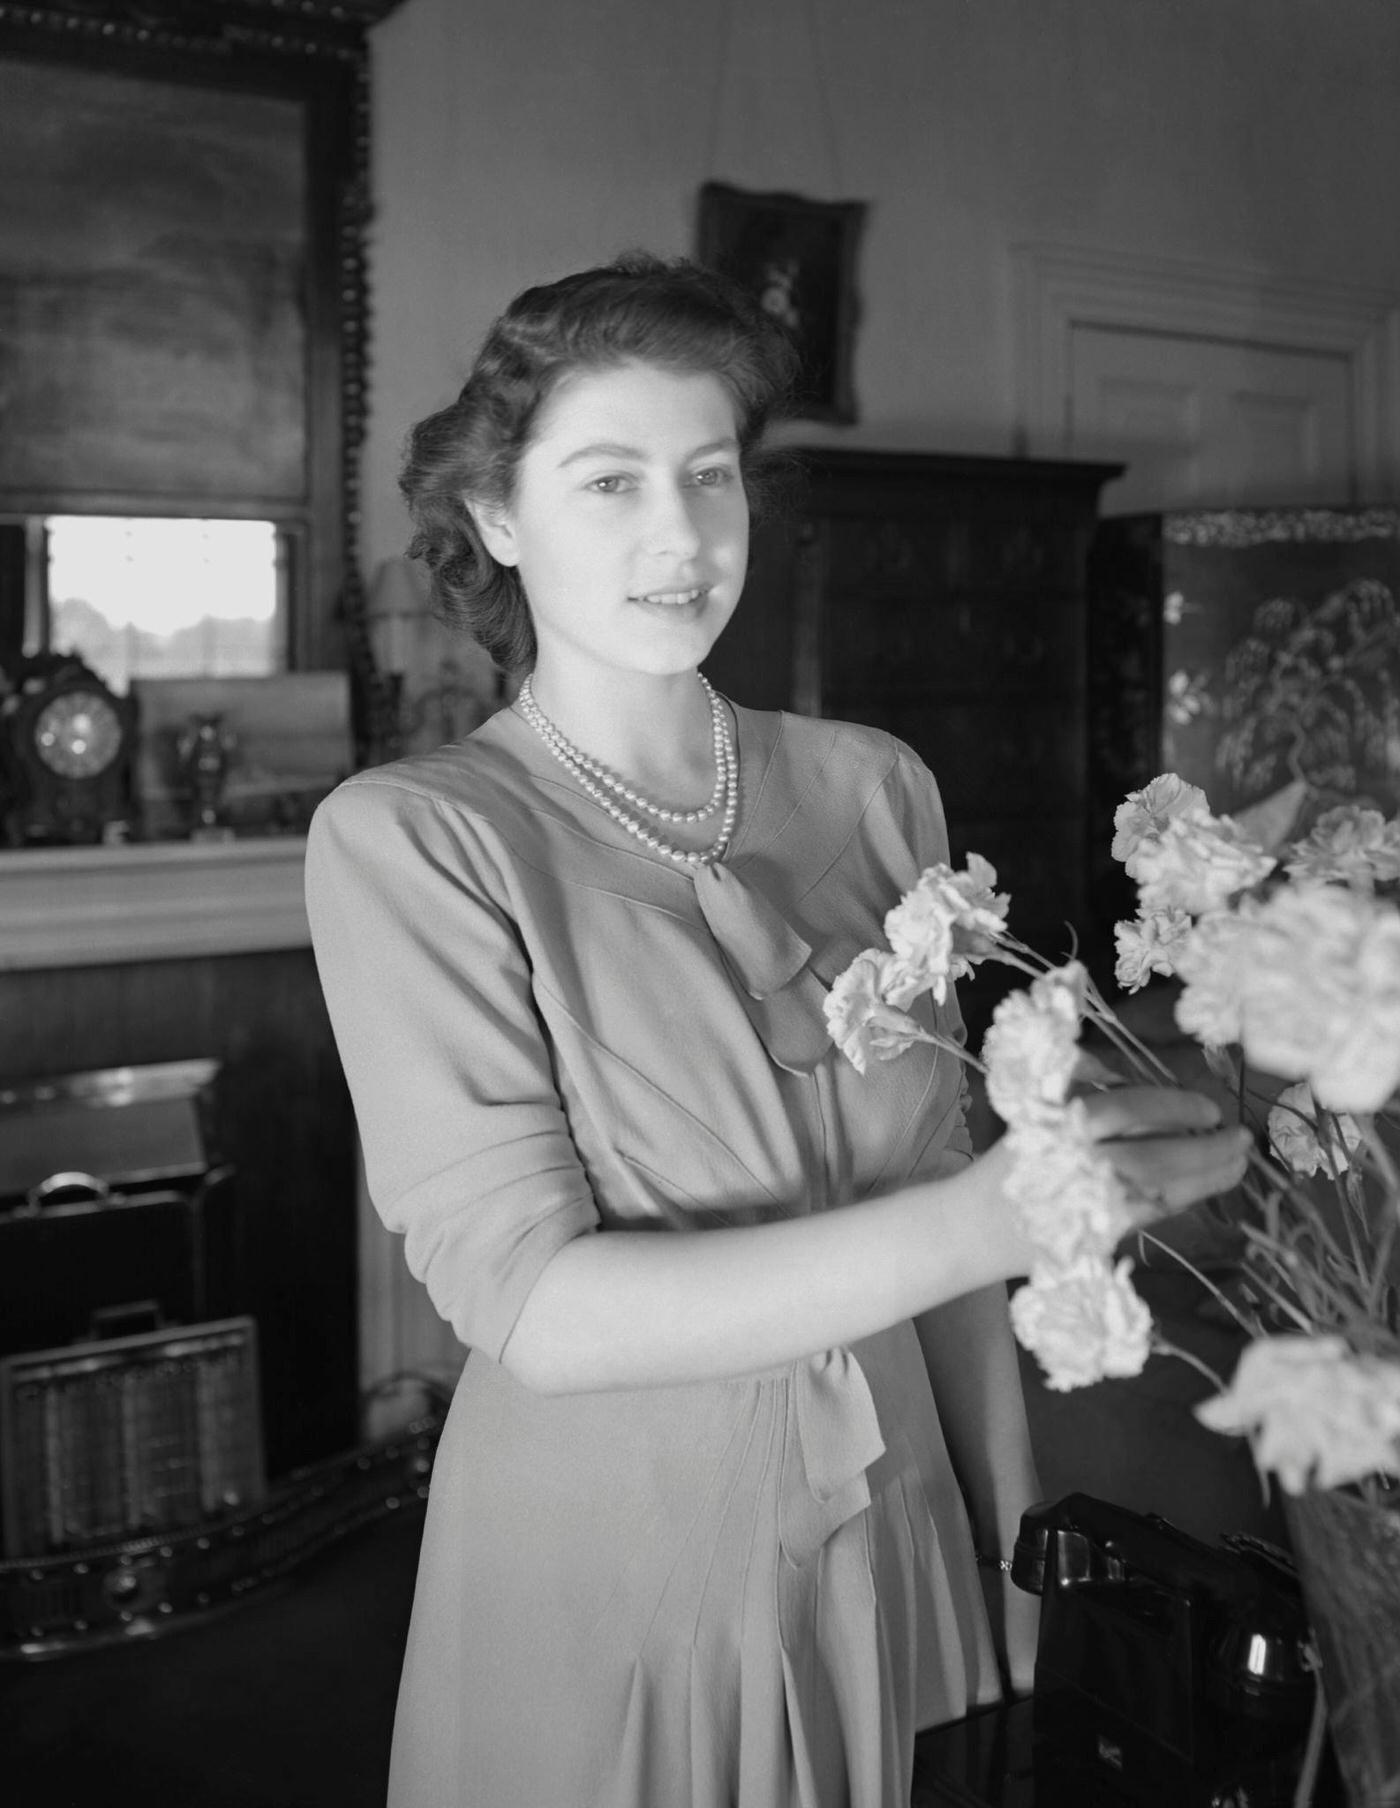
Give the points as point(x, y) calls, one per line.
point(1002, 1222)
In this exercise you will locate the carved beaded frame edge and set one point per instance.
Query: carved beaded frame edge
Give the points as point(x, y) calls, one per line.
point(319, 29)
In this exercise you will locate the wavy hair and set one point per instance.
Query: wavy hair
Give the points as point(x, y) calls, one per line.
point(639, 308)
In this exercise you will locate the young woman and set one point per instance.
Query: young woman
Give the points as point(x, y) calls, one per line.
point(741, 1408)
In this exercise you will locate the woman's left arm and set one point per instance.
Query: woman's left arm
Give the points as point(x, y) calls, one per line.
point(976, 1380)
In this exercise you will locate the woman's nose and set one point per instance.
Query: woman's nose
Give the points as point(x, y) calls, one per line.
point(671, 525)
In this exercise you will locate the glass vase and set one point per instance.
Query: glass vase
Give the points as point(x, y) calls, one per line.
point(1348, 1553)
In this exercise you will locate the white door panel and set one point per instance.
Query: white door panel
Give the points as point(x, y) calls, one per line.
point(1204, 422)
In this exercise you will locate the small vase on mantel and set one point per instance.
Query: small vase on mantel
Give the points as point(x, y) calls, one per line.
point(1348, 1552)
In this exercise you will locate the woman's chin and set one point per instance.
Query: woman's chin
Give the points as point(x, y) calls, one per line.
point(663, 633)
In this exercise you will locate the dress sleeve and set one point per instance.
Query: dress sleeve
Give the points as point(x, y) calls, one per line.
point(467, 1148)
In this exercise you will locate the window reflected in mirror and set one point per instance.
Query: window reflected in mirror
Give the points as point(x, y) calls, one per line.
point(160, 598)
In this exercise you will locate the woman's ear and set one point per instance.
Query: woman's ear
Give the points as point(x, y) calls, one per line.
point(496, 530)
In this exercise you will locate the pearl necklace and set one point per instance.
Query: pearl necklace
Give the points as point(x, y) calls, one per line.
point(597, 781)
point(556, 738)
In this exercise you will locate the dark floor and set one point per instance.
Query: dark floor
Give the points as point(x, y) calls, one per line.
point(287, 1701)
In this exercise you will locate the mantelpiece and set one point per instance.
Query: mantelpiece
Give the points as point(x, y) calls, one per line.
point(84, 907)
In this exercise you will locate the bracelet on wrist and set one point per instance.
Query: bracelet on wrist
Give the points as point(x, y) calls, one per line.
point(985, 1562)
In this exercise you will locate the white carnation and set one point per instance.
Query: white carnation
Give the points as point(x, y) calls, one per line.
point(1303, 1140)
point(979, 909)
point(1149, 944)
point(1315, 1412)
point(1066, 1190)
point(1083, 1323)
point(944, 924)
point(1147, 812)
point(1320, 994)
point(1349, 845)
point(1211, 963)
point(1032, 1046)
point(1197, 865)
point(860, 1021)
point(920, 932)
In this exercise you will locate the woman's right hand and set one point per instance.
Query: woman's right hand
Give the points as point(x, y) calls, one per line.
point(1168, 1147)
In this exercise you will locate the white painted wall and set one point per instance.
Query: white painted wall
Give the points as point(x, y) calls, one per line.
point(518, 139)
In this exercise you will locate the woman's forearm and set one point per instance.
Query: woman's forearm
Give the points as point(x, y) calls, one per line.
point(650, 1309)
point(624, 1309)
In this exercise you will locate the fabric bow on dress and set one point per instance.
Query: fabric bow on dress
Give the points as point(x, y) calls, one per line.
point(783, 991)
point(838, 1428)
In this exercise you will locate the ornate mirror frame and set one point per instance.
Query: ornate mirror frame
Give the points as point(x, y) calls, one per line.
point(313, 54)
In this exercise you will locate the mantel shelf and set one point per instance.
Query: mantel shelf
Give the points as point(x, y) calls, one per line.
point(95, 906)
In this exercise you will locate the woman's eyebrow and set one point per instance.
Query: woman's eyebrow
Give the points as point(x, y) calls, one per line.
point(601, 449)
point(611, 449)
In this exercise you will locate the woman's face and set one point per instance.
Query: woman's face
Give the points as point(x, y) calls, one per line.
point(629, 525)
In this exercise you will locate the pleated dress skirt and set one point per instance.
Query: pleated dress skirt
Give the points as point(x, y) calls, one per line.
point(744, 1594)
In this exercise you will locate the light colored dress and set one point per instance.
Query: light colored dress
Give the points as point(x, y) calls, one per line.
point(737, 1594)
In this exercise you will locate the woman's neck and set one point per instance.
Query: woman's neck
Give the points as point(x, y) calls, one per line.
point(657, 732)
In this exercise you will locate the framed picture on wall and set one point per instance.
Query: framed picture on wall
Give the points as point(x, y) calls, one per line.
point(798, 258)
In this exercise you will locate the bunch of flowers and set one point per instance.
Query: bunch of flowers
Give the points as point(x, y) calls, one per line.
point(1288, 961)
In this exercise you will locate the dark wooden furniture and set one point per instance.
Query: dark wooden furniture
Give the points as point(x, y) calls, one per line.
point(942, 598)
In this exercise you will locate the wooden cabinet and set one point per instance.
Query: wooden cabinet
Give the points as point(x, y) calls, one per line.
point(941, 598)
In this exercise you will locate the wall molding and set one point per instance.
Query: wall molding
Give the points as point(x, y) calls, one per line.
point(168, 900)
point(1058, 288)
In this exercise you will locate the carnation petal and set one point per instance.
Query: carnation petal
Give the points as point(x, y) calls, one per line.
point(1083, 1323)
point(1317, 1414)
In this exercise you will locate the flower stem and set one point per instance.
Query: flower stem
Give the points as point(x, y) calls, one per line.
point(953, 1048)
point(1196, 1274)
point(1381, 1156)
point(1151, 1066)
point(1163, 1347)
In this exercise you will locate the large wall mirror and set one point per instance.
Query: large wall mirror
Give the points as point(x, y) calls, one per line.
point(182, 336)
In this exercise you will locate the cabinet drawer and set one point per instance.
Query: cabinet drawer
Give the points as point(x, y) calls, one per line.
point(919, 555)
point(1017, 551)
point(942, 551)
point(894, 643)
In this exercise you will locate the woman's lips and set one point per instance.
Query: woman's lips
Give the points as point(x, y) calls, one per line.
point(672, 599)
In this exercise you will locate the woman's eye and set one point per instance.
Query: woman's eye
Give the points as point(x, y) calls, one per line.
point(714, 477)
point(610, 485)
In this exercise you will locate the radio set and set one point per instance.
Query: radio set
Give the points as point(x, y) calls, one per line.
point(1175, 1672)
point(1169, 1674)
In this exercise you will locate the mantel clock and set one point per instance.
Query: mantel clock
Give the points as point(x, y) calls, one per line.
point(65, 751)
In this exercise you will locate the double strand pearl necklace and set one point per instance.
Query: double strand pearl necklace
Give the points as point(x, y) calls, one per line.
point(606, 788)
point(595, 769)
